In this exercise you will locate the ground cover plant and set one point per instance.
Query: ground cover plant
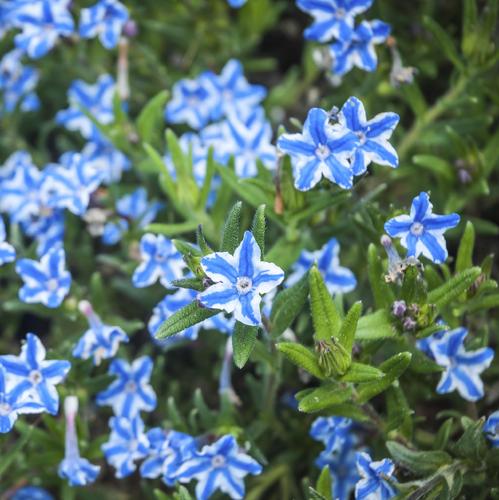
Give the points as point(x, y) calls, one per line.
point(247, 249)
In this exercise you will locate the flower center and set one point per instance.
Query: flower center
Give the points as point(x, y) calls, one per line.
point(218, 461)
point(244, 284)
point(5, 409)
point(361, 136)
point(160, 257)
point(417, 229)
point(322, 151)
point(35, 377)
point(130, 386)
point(52, 285)
point(133, 444)
point(340, 13)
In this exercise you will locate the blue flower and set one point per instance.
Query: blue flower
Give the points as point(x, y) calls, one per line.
point(46, 230)
point(320, 150)
point(130, 393)
point(422, 232)
point(160, 261)
point(491, 429)
point(373, 484)
point(193, 101)
point(462, 368)
point(7, 251)
point(46, 282)
point(333, 18)
point(16, 161)
point(34, 376)
point(13, 402)
point(373, 135)
point(108, 160)
point(100, 341)
point(220, 466)
point(105, 19)
point(77, 470)
point(425, 343)
point(31, 493)
point(338, 279)
point(334, 432)
point(222, 322)
point(96, 99)
point(167, 451)
point(236, 3)
point(127, 444)
point(42, 23)
point(359, 49)
point(240, 280)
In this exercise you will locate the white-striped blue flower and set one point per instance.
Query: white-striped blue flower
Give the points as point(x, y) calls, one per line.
point(373, 484)
point(76, 470)
point(16, 161)
point(31, 375)
point(334, 432)
point(42, 23)
point(236, 3)
point(100, 341)
point(127, 444)
point(160, 261)
point(373, 135)
point(13, 402)
point(491, 429)
point(46, 230)
point(332, 18)
point(462, 368)
point(337, 278)
point(422, 231)
point(105, 19)
point(168, 449)
point(240, 280)
point(219, 466)
point(96, 99)
point(359, 51)
point(7, 251)
point(46, 281)
point(31, 493)
point(131, 392)
point(320, 150)
point(108, 160)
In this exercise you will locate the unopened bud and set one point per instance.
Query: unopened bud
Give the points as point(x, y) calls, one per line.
point(333, 357)
point(399, 307)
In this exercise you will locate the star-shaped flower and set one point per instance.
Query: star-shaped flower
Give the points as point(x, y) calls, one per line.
point(105, 19)
point(220, 466)
point(160, 261)
point(373, 135)
point(240, 280)
point(422, 232)
point(491, 429)
point(46, 282)
point(373, 484)
point(332, 18)
point(338, 279)
point(320, 150)
point(127, 444)
point(131, 392)
point(462, 368)
point(334, 432)
point(7, 251)
point(108, 160)
point(359, 50)
point(33, 376)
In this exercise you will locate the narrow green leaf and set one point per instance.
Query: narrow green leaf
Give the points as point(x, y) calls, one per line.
point(383, 296)
point(167, 182)
point(188, 316)
point(324, 485)
point(413, 286)
point(325, 316)
point(301, 356)
point(287, 305)
point(464, 258)
point(206, 188)
point(348, 328)
point(453, 288)
point(375, 326)
point(258, 227)
point(243, 342)
point(360, 372)
point(472, 444)
point(151, 118)
point(419, 462)
point(171, 229)
point(230, 236)
point(430, 330)
point(436, 166)
point(443, 434)
point(180, 160)
point(201, 241)
point(192, 283)
point(324, 397)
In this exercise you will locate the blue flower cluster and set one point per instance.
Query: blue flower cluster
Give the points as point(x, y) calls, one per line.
point(353, 46)
point(339, 146)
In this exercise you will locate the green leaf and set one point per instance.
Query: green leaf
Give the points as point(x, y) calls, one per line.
point(419, 462)
point(393, 369)
point(192, 283)
point(230, 236)
point(399, 413)
point(453, 288)
point(413, 286)
point(324, 485)
point(287, 305)
point(171, 229)
point(325, 316)
point(243, 342)
point(435, 165)
point(201, 241)
point(375, 326)
point(184, 318)
point(258, 227)
point(206, 188)
point(167, 183)
point(180, 160)
point(324, 397)
point(360, 372)
point(464, 258)
point(443, 434)
point(151, 117)
point(348, 328)
point(383, 295)
point(301, 356)
point(472, 444)
point(430, 330)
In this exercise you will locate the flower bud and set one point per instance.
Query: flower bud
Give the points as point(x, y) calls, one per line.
point(333, 357)
point(399, 307)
